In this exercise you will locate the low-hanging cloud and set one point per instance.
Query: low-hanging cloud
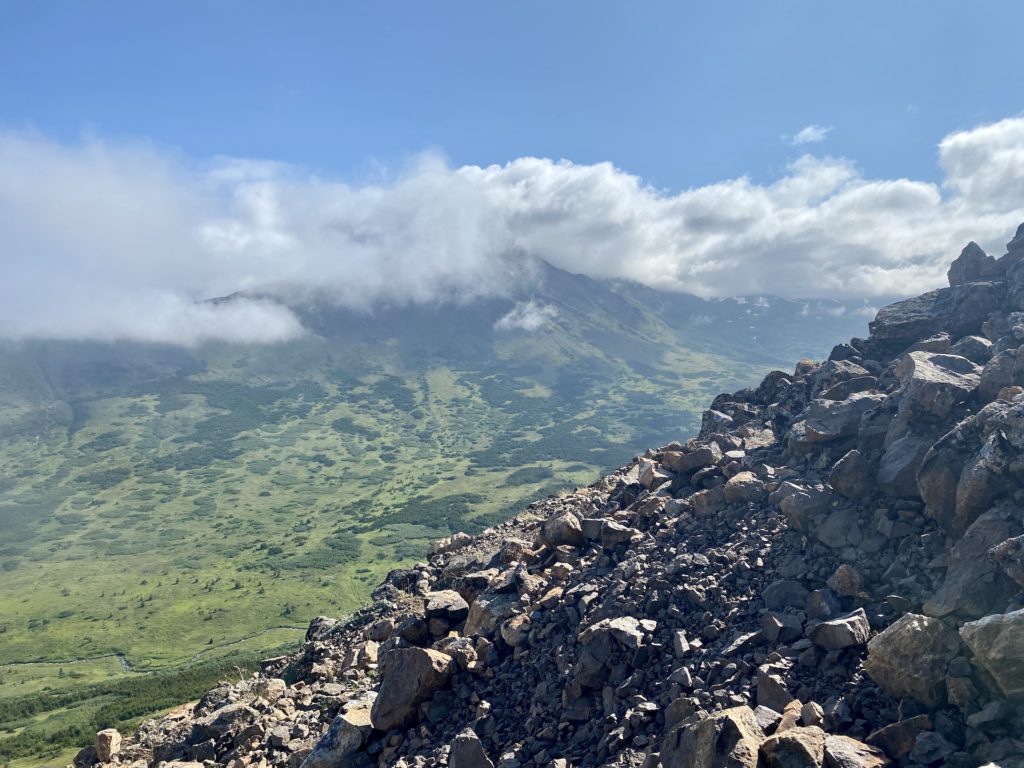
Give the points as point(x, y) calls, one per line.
point(126, 241)
point(529, 316)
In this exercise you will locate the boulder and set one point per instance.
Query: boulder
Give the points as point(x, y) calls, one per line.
point(705, 455)
point(974, 584)
point(802, 504)
point(624, 629)
point(487, 612)
point(468, 752)
point(730, 737)
point(959, 310)
point(107, 744)
point(977, 349)
point(832, 419)
point(744, 487)
point(934, 384)
point(841, 632)
point(844, 752)
point(853, 476)
point(1005, 369)
point(340, 746)
point(560, 529)
point(909, 658)
point(1009, 555)
point(971, 265)
point(802, 747)
point(899, 465)
point(997, 642)
point(409, 676)
point(899, 738)
point(446, 604)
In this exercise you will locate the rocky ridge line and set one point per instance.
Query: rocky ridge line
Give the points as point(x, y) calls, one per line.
point(830, 574)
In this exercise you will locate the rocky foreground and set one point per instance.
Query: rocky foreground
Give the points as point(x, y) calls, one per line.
point(830, 574)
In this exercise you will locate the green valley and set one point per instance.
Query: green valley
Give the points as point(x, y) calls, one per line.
point(172, 513)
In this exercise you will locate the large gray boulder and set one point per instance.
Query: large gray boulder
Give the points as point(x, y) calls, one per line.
point(974, 584)
point(997, 642)
point(832, 419)
point(959, 310)
point(468, 752)
point(853, 476)
point(409, 676)
point(909, 658)
point(933, 384)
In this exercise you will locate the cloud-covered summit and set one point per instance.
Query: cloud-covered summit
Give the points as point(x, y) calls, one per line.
point(110, 240)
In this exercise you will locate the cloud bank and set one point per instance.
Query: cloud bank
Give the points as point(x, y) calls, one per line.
point(123, 241)
point(529, 316)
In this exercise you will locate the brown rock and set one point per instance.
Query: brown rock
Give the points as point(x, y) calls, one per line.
point(730, 737)
point(795, 748)
point(844, 752)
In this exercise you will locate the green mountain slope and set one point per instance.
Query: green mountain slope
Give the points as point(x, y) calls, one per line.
point(165, 504)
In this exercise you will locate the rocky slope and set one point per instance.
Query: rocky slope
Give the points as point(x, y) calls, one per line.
point(830, 574)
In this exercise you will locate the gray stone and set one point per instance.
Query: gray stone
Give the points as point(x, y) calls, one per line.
point(560, 529)
point(468, 752)
point(844, 752)
point(340, 746)
point(853, 476)
point(446, 604)
point(971, 265)
point(934, 384)
point(801, 747)
point(831, 419)
point(409, 676)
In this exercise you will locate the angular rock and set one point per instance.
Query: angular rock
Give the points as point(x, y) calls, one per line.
point(971, 265)
point(853, 476)
point(997, 642)
point(898, 468)
point(409, 676)
point(730, 737)
point(844, 752)
point(803, 504)
point(340, 746)
point(560, 529)
point(909, 658)
point(705, 455)
point(625, 629)
point(974, 584)
point(446, 604)
point(467, 751)
point(934, 384)
point(831, 419)
point(108, 744)
point(842, 631)
point(1009, 555)
point(744, 487)
point(899, 738)
point(802, 747)
point(487, 612)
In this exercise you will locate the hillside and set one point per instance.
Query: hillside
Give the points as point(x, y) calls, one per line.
point(830, 574)
point(169, 509)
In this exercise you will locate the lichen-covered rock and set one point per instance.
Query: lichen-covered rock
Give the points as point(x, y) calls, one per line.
point(730, 737)
point(997, 642)
point(908, 659)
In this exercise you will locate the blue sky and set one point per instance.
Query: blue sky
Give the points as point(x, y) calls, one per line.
point(153, 154)
point(681, 94)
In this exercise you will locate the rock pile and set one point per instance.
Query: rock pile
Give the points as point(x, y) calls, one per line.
point(829, 574)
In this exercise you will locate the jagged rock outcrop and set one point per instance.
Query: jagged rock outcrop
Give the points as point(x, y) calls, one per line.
point(828, 574)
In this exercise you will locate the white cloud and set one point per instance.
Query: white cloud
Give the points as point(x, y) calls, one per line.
point(529, 316)
point(110, 240)
point(810, 134)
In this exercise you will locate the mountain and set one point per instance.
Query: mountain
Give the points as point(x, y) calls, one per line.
point(829, 573)
point(165, 508)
